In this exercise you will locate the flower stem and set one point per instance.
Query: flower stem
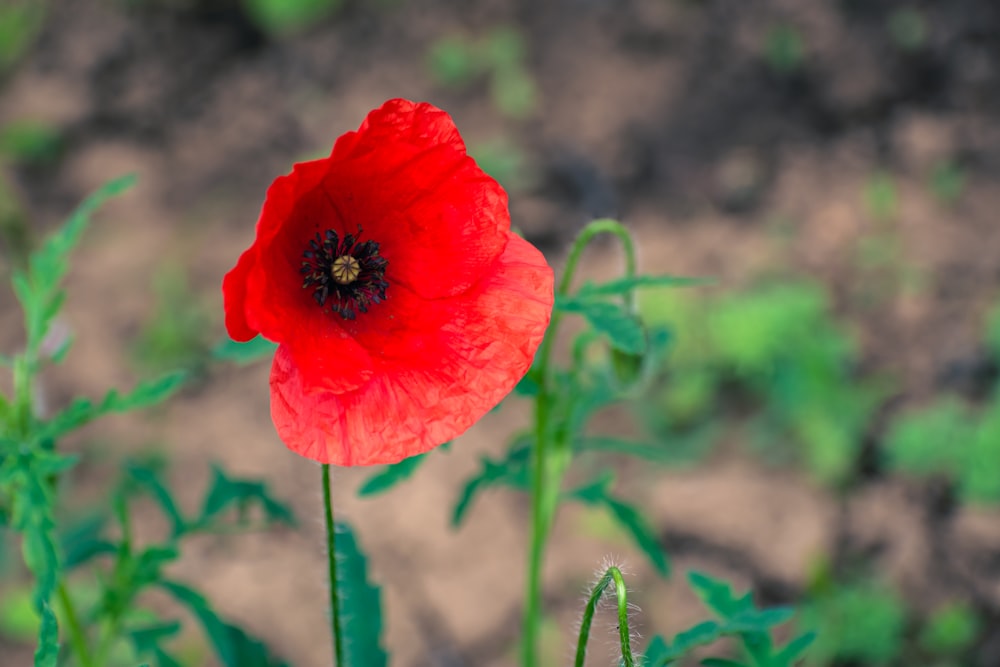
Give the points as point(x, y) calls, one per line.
point(76, 637)
point(551, 455)
point(625, 637)
point(331, 556)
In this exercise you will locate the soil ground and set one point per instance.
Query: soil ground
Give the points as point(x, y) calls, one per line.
point(661, 113)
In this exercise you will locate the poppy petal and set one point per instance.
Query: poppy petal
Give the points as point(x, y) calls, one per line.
point(234, 286)
point(429, 399)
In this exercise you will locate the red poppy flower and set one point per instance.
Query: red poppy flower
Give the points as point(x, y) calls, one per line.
point(403, 305)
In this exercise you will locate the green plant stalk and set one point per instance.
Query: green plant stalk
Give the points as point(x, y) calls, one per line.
point(625, 636)
point(551, 455)
point(331, 557)
point(121, 582)
point(77, 638)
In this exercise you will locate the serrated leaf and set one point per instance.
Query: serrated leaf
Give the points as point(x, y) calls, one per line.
point(232, 646)
point(626, 285)
point(145, 394)
point(83, 541)
point(511, 471)
point(716, 594)
point(244, 353)
point(360, 604)
point(760, 620)
point(793, 649)
point(83, 410)
point(149, 564)
point(227, 492)
point(390, 476)
point(147, 638)
point(149, 481)
point(38, 289)
point(622, 329)
point(704, 633)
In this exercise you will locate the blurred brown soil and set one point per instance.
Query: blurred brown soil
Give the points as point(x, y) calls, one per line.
point(660, 113)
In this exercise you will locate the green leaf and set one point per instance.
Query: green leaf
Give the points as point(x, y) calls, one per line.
point(722, 662)
point(658, 453)
point(793, 649)
point(704, 633)
point(244, 353)
point(232, 646)
point(148, 567)
point(597, 493)
point(38, 289)
point(83, 410)
point(511, 471)
point(391, 475)
point(760, 620)
point(361, 608)
point(149, 480)
point(656, 653)
point(718, 595)
point(147, 639)
point(626, 285)
point(527, 386)
point(622, 329)
point(145, 394)
point(227, 492)
point(643, 535)
point(83, 541)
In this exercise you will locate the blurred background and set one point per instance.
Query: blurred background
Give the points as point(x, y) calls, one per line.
point(829, 404)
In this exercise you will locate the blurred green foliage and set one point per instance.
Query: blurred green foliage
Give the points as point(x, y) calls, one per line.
point(947, 181)
point(500, 56)
point(907, 28)
point(784, 49)
point(505, 162)
point(779, 347)
point(738, 618)
point(950, 629)
point(861, 622)
point(30, 142)
point(881, 197)
point(953, 439)
point(20, 23)
point(178, 332)
point(284, 17)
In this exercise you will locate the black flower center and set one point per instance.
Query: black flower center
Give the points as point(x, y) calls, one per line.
point(345, 276)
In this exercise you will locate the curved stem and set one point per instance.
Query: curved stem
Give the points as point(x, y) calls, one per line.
point(331, 557)
point(547, 471)
point(625, 635)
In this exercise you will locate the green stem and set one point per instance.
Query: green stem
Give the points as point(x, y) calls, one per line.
point(77, 639)
point(550, 455)
point(625, 636)
point(331, 557)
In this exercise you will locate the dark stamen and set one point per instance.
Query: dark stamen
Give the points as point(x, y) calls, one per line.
point(345, 278)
